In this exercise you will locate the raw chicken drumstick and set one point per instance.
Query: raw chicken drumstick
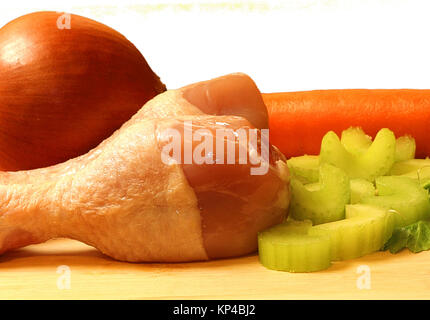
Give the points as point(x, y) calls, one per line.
point(124, 200)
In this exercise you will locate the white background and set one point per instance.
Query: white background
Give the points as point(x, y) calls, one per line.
point(284, 45)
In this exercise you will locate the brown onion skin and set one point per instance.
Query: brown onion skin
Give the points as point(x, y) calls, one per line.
point(63, 91)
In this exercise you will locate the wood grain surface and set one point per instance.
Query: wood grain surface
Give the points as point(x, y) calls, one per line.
point(35, 272)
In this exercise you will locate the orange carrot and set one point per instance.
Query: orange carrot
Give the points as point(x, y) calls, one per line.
point(299, 120)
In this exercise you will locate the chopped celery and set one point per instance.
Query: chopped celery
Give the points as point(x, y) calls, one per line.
point(377, 160)
point(421, 175)
point(408, 166)
point(304, 168)
point(404, 195)
point(361, 188)
point(322, 188)
point(292, 226)
point(355, 140)
point(327, 202)
point(418, 169)
point(299, 247)
point(365, 230)
point(361, 210)
point(405, 148)
point(288, 247)
point(313, 186)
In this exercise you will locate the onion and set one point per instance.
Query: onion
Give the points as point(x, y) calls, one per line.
point(65, 85)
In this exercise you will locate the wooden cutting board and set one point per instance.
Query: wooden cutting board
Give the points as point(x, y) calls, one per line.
point(67, 269)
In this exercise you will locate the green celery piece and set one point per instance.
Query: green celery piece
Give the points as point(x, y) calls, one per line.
point(418, 169)
point(327, 202)
point(422, 176)
point(304, 168)
point(355, 140)
point(289, 247)
point(409, 166)
point(362, 210)
point(404, 195)
point(292, 226)
point(415, 237)
point(361, 188)
point(405, 148)
point(313, 186)
point(377, 160)
point(365, 230)
point(297, 246)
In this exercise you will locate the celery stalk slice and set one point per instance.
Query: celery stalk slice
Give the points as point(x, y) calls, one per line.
point(405, 148)
point(404, 195)
point(362, 210)
point(422, 176)
point(361, 188)
point(355, 140)
point(304, 168)
point(323, 203)
point(365, 230)
point(409, 166)
point(377, 160)
point(296, 246)
point(291, 249)
point(418, 169)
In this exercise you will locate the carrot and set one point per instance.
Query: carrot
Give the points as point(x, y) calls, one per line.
point(299, 120)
